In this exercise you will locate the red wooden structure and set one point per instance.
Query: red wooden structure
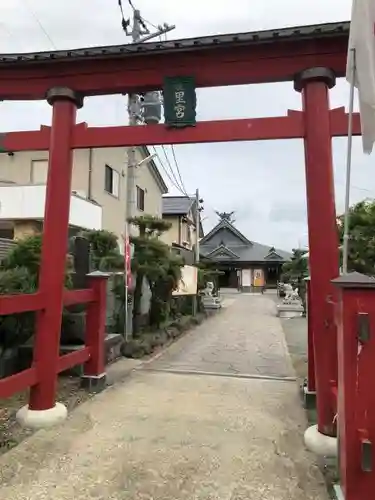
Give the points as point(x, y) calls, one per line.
point(48, 302)
point(311, 57)
point(356, 402)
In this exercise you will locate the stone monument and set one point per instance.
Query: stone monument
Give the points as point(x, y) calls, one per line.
point(210, 301)
point(291, 306)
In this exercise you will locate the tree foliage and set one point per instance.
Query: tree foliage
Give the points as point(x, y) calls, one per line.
point(155, 261)
point(297, 268)
point(26, 253)
point(105, 252)
point(19, 274)
point(15, 329)
point(295, 271)
point(361, 255)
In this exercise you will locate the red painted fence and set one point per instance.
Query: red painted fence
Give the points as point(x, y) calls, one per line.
point(92, 354)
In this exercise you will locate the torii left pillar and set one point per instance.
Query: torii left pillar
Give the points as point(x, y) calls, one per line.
point(42, 409)
point(314, 83)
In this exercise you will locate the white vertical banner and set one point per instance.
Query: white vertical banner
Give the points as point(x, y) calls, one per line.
point(360, 70)
point(246, 277)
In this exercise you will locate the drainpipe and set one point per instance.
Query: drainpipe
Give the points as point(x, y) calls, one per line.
point(89, 190)
point(179, 229)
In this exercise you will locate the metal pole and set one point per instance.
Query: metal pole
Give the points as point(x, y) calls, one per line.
point(134, 108)
point(197, 224)
point(348, 170)
point(196, 249)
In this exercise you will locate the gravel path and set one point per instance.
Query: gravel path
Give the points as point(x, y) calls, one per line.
point(169, 436)
point(245, 339)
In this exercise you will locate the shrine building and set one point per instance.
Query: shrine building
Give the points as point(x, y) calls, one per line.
point(246, 265)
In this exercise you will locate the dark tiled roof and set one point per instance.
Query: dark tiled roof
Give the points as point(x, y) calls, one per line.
point(315, 31)
point(246, 252)
point(176, 205)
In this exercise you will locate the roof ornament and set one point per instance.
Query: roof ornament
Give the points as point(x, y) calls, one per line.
point(225, 216)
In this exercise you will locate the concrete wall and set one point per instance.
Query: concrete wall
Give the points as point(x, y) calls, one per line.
point(173, 234)
point(181, 231)
point(28, 167)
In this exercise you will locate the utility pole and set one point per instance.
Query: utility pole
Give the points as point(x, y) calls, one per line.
point(196, 249)
point(134, 111)
point(139, 34)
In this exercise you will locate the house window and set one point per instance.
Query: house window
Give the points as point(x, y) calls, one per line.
point(112, 181)
point(7, 233)
point(140, 199)
point(39, 171)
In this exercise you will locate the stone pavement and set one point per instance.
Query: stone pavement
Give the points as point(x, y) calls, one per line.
point(182, 428)
point(245, 339)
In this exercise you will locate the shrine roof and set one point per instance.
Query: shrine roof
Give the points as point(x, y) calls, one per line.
point(256, 252)
point(225, 240)
point(315, 31)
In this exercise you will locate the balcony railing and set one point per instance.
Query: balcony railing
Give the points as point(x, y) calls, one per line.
point(18, 202)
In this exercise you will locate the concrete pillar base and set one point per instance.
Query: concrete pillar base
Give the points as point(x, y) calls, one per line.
point(337, 491)
point(94, 383)
point(39, 419)
point(320, 444)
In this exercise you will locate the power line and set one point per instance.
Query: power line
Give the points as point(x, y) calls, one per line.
point(358, 188)
point(174, 154)
point(125, 23)
point(143, 19)
point(36, 18)
point(178, 168)
point(172, 181)
point(152, 25)
point(181, 187)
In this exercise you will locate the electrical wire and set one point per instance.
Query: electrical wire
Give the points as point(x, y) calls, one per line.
point(177, 183)
point(170, 178)
point(357, 187)
point(178, 168)
point(142, 19)
point(181, 182)
point(38, 21)
point(180, 186)
point(126, 22)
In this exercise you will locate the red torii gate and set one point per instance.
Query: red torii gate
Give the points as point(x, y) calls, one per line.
point(291, 126)
point(311, 56)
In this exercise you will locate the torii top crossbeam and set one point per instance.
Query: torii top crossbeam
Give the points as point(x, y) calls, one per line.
point(221, 60)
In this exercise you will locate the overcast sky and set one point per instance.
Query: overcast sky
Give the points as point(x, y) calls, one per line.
point(263, 183)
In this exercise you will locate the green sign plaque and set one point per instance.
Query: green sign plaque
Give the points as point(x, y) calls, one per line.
point(180, 101)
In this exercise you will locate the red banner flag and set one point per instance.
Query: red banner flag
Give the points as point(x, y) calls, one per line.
point(128, 262)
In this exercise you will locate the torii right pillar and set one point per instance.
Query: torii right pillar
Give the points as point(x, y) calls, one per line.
point(314, 84)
